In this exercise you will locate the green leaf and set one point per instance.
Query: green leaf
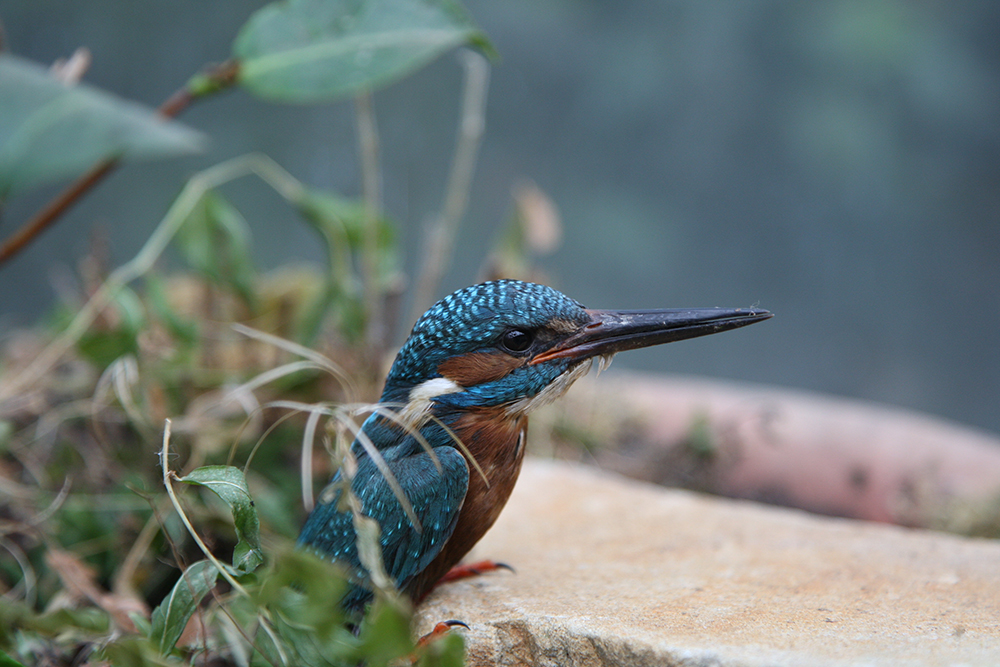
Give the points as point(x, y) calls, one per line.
point(183, 330)
point(344, 220)
point(103, 345)
point(385, 633)
point(321, 582)
point(49, 130)
point(315, 50)
point(215, 241)
point(229, 484)
point(131, 651)
point(7, 661)
point(303, 592)
point(171, 617)
point(16, 615)
point(341, 223)
point(448, 651)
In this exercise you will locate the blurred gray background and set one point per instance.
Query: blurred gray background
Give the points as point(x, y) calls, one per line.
point(836, 162)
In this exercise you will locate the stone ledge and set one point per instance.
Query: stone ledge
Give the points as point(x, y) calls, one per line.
point(617, 572)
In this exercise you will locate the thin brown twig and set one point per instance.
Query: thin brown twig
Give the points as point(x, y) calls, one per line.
point(218, 78)
point(16, 242)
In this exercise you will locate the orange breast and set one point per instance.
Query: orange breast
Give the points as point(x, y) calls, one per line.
point(496, 442)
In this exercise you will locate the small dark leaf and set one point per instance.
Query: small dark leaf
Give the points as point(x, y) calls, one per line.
point(313, 50)
point(50, 130)
point(344, 219)
point(229, 484)
point(184, 330)
point(103, 345)
point(171, 617)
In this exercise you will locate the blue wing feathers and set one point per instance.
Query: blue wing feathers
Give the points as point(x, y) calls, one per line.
point(436, 496)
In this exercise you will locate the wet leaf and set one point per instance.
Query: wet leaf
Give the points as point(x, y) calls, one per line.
point(230, 485)
point(315, 50)
point(50, 130)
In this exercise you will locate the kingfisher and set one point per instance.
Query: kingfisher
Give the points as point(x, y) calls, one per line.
point(460, 391)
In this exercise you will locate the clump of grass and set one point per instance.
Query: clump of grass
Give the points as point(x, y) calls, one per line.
point(108, 561)
point(94, 538)
point(112, 554)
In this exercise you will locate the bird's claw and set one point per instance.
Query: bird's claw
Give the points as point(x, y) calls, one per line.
point(472, 570)
point(440, 630)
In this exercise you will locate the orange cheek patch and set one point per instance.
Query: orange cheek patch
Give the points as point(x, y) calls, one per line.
point(469, 370)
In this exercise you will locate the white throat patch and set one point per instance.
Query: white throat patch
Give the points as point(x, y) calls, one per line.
point(418, 405)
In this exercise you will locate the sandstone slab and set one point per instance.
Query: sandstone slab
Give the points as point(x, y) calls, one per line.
point(617, 572)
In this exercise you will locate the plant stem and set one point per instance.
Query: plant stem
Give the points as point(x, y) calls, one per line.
point(371, 190)
point(52, 211)
point(220, 77)
point(441, 235)
point(168, 474)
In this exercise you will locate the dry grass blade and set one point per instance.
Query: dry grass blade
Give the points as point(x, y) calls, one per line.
point(393, 416)
point(440, 236)
point(342, 415)
point(390, 411)
point(119, 379)
point(80, 580)
point(28, 579)
point(376, 456)
point(276, 374)
point(302, 351)
point(308, 438)
point(465, 450)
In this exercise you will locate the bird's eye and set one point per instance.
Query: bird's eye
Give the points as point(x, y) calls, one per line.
point(516, 340)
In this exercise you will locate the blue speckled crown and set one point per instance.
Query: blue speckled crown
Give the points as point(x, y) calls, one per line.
point(472, 318)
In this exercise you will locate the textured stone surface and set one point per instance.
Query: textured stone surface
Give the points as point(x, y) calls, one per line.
point(617, 572)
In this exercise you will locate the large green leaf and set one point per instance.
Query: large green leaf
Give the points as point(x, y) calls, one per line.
point(229, 484)
point(313, 50)
point(171, 617)
point(50, 130)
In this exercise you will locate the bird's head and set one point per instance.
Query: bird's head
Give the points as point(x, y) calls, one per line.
point(515, 345)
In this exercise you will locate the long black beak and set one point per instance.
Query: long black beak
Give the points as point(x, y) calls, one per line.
point(611, 331)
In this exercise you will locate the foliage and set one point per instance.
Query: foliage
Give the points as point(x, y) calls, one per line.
point(309, 50)
point(49, 130)
point(104, 561)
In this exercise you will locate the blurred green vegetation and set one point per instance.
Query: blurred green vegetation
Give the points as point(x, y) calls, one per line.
point(97, 531)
